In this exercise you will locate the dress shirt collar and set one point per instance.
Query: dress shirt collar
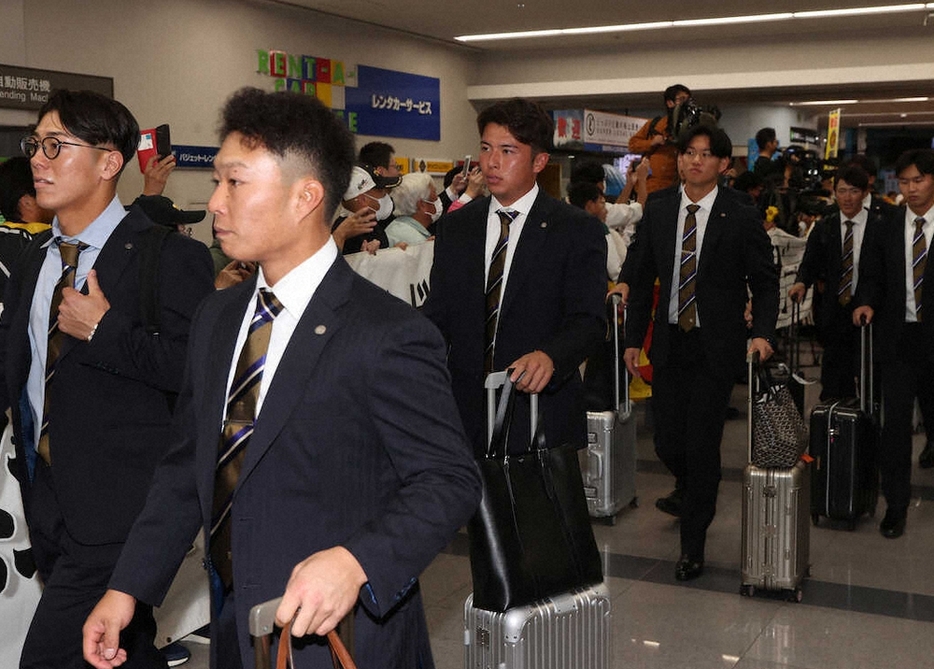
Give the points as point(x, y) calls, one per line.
point(100, 229)
point(858, 220)
point(296, 288)
point(706, 202)
point(523, 205)
point(910, 216)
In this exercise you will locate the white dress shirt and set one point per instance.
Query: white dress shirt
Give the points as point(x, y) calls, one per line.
point(701, 216)
point(911, 310)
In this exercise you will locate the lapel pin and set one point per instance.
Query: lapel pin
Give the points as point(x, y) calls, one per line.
point(544, 224)
point(128, 246)
point(320, 329)
point(722, 214)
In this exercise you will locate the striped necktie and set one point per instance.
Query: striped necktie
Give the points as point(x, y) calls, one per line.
point(919, 258)
point(238, 427)
point(687, 305)
point(69, 252)
point(845, 290)
point(494, 284)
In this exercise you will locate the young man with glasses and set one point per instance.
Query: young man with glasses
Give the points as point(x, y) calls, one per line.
point(91, 389)
point(707, 248)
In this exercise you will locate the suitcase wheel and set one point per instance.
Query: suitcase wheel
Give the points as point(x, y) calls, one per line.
point(634, 503)
point(747, 590)
point(609, 521)
point(795, 595)
point(815, 519)
point(851, 525)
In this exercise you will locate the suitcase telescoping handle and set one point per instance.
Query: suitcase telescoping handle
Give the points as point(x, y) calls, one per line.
point(752, 359)
point(493, 382)
point(262, 624)
point(621, 400)
point(867, 399)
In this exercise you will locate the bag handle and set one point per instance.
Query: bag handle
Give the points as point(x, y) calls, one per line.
point(499, 433)
point(339, 655)
point(499, 413)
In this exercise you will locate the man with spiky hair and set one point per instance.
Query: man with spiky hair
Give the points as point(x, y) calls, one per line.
point(319, 447)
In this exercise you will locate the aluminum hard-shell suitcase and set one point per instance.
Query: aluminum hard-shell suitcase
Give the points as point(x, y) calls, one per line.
point(608, 464)
point(776, 528)
point(568, 631)
point(845, 480)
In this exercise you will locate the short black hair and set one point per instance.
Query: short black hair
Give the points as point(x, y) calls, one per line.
point(15, 182)
point(764, 136)
point(582, 192)
point(96, 119)
point(720, 144)
point(853, 174)
point(865, 162)
point(376, 154)
point(588, 171)
point(672, 91)
point(923, 159)
point(746, 181)
point(527, 121)
point(287, 123)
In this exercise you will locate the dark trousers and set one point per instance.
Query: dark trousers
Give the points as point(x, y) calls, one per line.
point(74, 578)
point(909, 376)
point(690, 394)
point(840, 365)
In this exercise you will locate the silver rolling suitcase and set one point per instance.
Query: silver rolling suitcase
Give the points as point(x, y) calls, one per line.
point(608, 464)
point(569, 631)
point(776, 522)
point(566, 631)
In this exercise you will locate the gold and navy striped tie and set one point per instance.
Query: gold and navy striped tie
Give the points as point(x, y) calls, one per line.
point(845, 289)
point(238, 427)
point(494, 284)
point(69, 252)
point(919, 259)
point(687, 305)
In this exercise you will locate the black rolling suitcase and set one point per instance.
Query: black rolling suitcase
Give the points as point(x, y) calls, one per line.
point(843, 443)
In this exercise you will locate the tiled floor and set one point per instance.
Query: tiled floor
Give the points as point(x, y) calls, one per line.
point(869, 603)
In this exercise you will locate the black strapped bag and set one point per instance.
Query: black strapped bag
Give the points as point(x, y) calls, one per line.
point(531, 536)
point(779, 433)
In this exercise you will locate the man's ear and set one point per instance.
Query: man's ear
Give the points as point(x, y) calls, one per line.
point(309, 195)
point(113, 163)
point(540, 161)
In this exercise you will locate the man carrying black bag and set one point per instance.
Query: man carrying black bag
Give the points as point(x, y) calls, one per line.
point(518, 282)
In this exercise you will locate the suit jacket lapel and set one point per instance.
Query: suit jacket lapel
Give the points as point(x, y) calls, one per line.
point(534, 232)
point(112, 261)
point(715, 225)
point(320, 322)
point(668, 242)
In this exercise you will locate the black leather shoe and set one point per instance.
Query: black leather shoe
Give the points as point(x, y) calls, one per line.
point(670, 504)
point(926, 459)
point(688, 569)
point(893, 525)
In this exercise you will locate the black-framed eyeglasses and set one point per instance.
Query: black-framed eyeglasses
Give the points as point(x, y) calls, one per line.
point(51, 146)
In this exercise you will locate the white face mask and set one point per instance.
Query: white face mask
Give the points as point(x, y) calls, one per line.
point(439, 208)
point(385, 207)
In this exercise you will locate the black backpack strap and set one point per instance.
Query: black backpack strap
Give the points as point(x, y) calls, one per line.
point(150, 253)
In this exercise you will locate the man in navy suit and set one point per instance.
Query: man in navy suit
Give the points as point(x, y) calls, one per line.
point(90, 385)
point(548, 313)
point(831, 265)
point(708, 250)
point(354, 471)
point(895, 293)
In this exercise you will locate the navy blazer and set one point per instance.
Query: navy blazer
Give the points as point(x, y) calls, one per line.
point(358, 444)
point(823, 262)
point(735, 260)
point(112, 415)
point(554, 302)
point(882, 286)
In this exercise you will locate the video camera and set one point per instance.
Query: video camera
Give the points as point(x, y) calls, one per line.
point(689, 114)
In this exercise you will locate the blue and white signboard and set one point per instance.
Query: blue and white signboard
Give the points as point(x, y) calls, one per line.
point(194, 156)
point(395, 104)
